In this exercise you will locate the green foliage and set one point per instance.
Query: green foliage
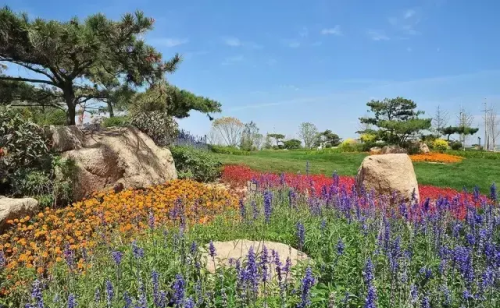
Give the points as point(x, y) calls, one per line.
point(309, 133)
point(349, 145)
point(440, 145)
point(278, 138)
point(396, 119)
point(223, 149)
point(292, 144)
point(456, 145)
point(327, 139)
point(116, 121)
point(196, 164)
point(250, 137)
point(158, 125)
point(476, 154)
point(267, 143)
point(82, 60)
point(452, 130)
point(23, 143)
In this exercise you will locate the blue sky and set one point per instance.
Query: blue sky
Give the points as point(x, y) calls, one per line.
point(279, 63)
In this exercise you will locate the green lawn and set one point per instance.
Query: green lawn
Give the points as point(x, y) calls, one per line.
point(472, 171)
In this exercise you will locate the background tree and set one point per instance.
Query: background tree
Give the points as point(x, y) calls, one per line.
point(465, 121)
point(76, 61)
point(249, 136)
point(292, 144)
point(308, 133)
point(397, 120)
point(327, 139)
point(229, 129)
point(440, 121)
point(267, 143)
point(278, 138)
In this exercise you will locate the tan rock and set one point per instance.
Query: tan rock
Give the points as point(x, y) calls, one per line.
point(12, 208)
point(119, 155)
point(424, 149)
point(392, 149)
point(387, 174)
point(375, 150)
point(66, 138)
point(238, 250)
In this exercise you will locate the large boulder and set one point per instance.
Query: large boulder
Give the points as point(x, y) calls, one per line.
point(66, 138)
point(387, 174)
point(230, 251)
point(12, 208)
point(375, 150)
point(392, 149)
point(119, 156)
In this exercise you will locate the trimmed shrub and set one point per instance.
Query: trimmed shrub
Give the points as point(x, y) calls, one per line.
point(192, 163)
point(456, 145)
point(349, 145)
point(440, 145)
point(159, 126)
point(220, 149)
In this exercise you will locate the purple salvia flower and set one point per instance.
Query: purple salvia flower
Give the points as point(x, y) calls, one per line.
point(371, 297)
point(151, 220)
point(268, 196)
point(413, 293)
point(127, 300)
point(251, 271)
point(179, 289)
point(69, 256)
point(301, 235)
point(288, 266)
point(189, 303)
point(162, 301)
point(194, 248)
point(155, 277)
point(137, 251)
point(71, 301)
point(36, 294)
point(110, 293)
point(446, 296)
point(307, 283)
point(264, 263)
point(340, 247)
point(117, 257)
point(142, 301)
point(368, 273)
point(425, 302)
point(97, 295)
point(211, 250)
point(2, 259)
point(255, 209)
point(493, 192)
point(243, 210)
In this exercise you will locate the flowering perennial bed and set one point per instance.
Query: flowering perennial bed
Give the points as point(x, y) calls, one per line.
point(366, 252)
point(436, 157)
point(34, 244)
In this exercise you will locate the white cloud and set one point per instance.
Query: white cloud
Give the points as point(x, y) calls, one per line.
point(236, 42)
point(332, 31)
point(289, 87)
point(409, 13)
point(169, 42)
point(304, 32)
point(377, 35)
point(292, 43)
point(232, 41)
point(233, 60)
point(191, 54)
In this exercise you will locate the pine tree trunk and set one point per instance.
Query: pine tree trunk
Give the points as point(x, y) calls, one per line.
point(110, 110)
point(69, 98)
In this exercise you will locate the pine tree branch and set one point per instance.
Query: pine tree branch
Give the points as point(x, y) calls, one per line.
point(26, 80)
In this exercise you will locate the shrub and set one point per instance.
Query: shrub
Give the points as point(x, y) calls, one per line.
point(440, 145)
point(157, 125)
point(116, 121)
point(23, 144)
point(349, 145)
point(456, 145)
point(220, 149)
point(192, 163)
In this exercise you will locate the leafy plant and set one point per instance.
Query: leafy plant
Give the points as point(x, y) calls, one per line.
point(157, 125)
point(440, 145)
point(116, 121)
point(192, 163)
point(456, 145)
point(221, 149)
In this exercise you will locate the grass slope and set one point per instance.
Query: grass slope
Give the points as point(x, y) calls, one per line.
point(472, 171)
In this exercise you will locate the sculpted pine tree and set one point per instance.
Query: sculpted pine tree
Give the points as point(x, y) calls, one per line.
point(77, 61)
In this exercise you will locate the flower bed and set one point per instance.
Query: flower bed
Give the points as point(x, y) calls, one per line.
point(436, 157)
point(34, 244)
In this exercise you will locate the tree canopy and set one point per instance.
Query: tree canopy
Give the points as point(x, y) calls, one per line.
point(327, 139)
point(77, 61)
point(308, 132)
point(397, 120)
point(462, 130)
